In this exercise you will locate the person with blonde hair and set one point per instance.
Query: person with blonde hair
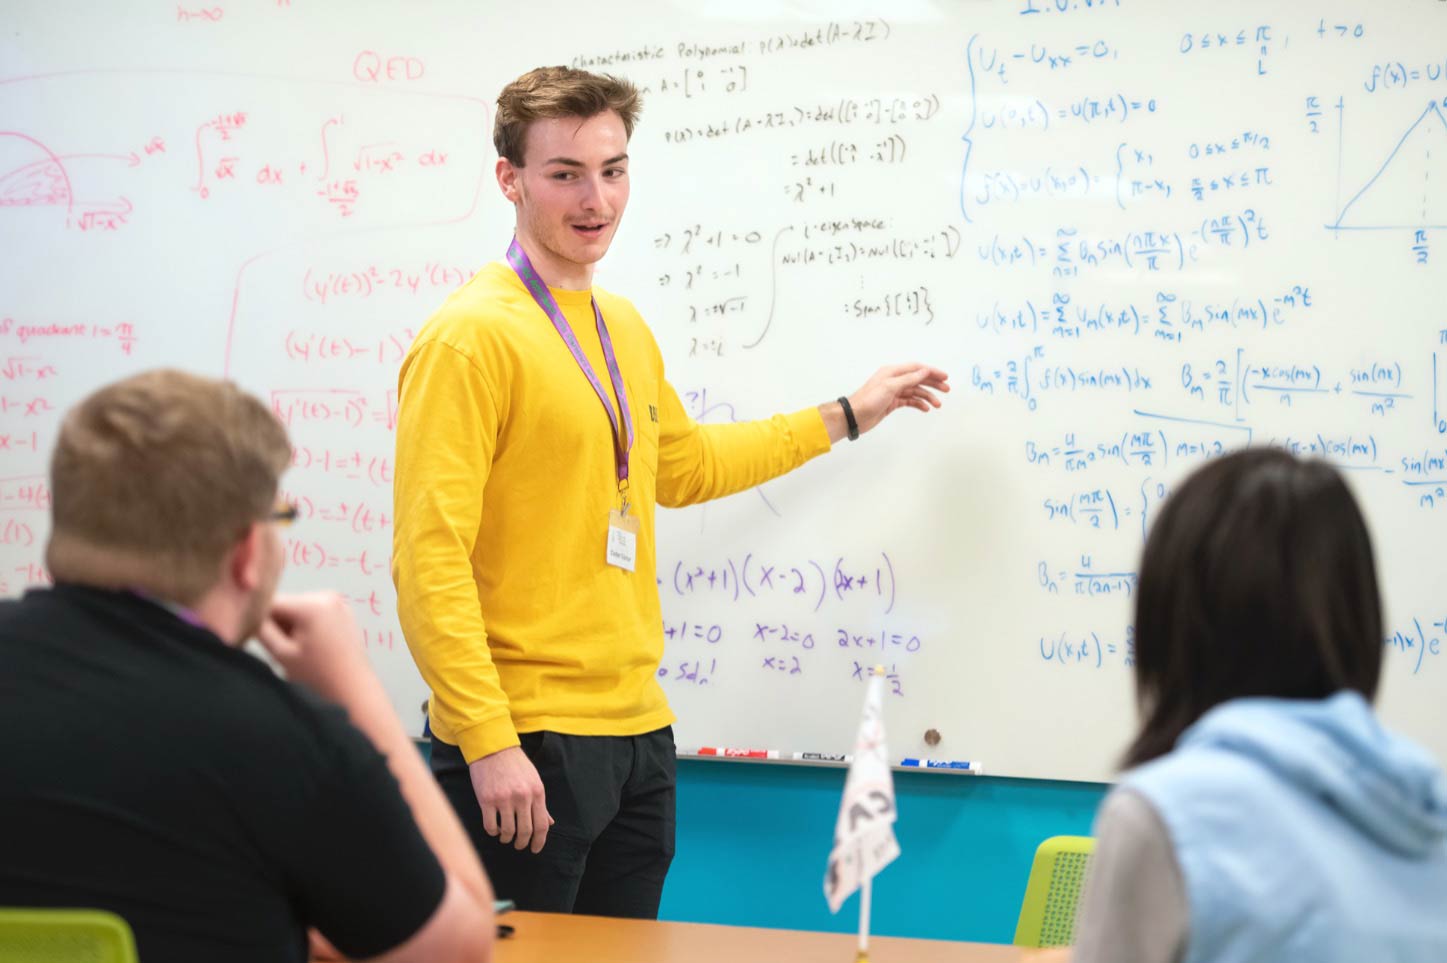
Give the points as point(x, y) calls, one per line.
point(154, 769)
point(537, 433)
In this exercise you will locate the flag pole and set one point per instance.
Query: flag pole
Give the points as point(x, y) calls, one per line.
point(865, 827)
point(864, 893)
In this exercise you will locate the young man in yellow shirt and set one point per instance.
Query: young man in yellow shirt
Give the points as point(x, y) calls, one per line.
point(536, 434)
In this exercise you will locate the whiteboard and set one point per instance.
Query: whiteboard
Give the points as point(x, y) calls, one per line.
point(1136, 235)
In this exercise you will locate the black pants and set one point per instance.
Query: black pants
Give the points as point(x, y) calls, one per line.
point(612, 800)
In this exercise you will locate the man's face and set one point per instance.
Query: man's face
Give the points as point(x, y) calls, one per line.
point(571, 193)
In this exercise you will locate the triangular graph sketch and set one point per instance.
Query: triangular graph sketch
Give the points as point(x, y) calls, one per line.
point(1409, 190)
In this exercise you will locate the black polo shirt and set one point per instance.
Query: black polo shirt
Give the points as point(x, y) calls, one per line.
point(149, 769)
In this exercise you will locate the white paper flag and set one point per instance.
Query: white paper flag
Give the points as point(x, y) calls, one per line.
point(864, 840)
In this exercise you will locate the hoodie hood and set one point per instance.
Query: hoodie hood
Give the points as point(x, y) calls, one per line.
point(1336, 750)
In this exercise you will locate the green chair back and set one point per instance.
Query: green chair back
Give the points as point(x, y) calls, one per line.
point(64, 936)
point(1047, 914)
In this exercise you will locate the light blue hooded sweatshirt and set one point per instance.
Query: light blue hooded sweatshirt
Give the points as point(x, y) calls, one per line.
point(1304, 831)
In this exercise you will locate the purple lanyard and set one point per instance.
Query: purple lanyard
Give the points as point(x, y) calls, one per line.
point(622, 439)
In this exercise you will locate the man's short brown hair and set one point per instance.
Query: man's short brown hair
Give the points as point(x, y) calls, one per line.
point(156, 478)
point(558, 92)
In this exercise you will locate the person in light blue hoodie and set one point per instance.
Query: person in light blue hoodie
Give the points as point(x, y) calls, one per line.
point(1266, 815)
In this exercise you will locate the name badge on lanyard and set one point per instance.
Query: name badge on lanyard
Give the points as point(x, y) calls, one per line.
point(621, 549)
point(622, 539)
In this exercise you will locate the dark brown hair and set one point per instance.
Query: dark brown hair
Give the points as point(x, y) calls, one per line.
point(1257, 580)
point(558, 92)
point(155, 478)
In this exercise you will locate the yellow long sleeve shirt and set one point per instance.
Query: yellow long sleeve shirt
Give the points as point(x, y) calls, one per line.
point(505, 476)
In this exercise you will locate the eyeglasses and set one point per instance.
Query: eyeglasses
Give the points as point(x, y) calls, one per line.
point(284, 515)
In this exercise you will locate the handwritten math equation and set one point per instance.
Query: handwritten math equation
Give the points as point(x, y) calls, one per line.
point(1137, 239)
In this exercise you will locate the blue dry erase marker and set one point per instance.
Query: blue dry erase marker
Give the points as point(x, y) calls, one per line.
point(941, 764)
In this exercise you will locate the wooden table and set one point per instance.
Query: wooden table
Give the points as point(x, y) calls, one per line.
point(555, 938)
